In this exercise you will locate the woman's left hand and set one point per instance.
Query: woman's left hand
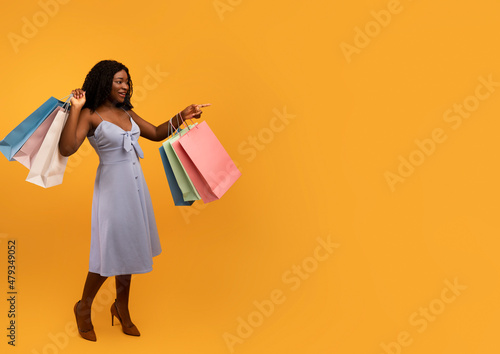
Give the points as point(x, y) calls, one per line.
point(193, 111)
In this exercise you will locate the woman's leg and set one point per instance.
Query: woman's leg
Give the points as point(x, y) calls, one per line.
point(92, 286)
point(122, 296)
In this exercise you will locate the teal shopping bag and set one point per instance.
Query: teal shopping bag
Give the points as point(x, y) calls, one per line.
point(13, 142)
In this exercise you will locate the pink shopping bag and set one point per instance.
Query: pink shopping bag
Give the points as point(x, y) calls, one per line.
point(207, 163)
point(28, 151)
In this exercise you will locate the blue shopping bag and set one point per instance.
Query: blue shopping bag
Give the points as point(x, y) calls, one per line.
point(13, 142)
point(174, 187)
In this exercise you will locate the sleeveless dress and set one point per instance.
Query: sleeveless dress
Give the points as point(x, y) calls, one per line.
point(124, 236)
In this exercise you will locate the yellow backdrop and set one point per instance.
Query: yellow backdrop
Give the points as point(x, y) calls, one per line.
point(364, 221)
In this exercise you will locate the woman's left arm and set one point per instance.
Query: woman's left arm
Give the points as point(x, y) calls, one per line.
point(161, 132)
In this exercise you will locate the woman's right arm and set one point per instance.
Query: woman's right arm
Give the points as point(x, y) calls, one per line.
point(77, 125)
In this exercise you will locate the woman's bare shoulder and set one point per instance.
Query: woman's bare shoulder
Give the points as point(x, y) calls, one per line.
point(90, 118)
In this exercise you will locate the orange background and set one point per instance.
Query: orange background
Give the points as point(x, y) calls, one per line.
point(364, 85)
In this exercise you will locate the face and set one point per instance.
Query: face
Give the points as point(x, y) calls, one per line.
point(120, 87)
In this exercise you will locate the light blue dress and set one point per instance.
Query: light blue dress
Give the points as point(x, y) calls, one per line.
point(124, 236)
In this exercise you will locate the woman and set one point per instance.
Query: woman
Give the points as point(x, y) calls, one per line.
point(124, 237)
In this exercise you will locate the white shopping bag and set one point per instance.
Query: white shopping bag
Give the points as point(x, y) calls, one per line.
point(47, 169)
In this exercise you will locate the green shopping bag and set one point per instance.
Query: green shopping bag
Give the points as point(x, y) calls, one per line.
point(189, 192)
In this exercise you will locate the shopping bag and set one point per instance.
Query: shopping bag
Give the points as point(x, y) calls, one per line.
point(47, 169)
point(172, 183)
point(30, 148)
point(206, 161)
point(188, 190)
point(18, 136)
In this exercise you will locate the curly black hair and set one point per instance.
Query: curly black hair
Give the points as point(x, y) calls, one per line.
point(98, 83)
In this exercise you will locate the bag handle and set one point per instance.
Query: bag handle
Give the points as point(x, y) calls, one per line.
point(67, 100)
point(187, 125)
point(183, 122)
point(171, 129)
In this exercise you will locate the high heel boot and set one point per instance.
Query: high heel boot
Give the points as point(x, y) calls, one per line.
point(131, 331)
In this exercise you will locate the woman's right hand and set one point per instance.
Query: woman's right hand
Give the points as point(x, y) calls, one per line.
point(78, 99)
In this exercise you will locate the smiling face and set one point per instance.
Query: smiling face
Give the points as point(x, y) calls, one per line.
point(119, 87)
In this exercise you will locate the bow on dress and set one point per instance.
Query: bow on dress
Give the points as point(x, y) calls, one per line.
point(129, 141)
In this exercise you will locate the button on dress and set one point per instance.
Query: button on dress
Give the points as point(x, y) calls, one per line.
point(124, 236)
